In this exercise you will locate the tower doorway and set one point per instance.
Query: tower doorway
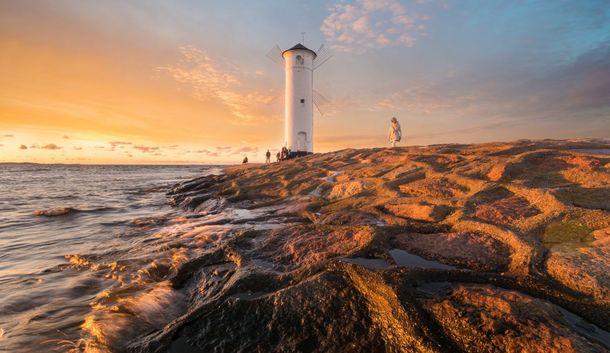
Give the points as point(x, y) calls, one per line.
point(302, 141)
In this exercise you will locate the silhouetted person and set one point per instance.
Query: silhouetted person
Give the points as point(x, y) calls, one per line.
point(278, 156)
point(394, 134)
point(245, 160)
point(268, 155)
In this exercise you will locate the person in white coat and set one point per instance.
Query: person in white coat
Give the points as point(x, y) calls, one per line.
point(394, 134)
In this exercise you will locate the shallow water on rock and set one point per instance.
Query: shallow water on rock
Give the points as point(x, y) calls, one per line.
point(368, 263)
point(435, 289)
point(586, 328)
point(403, 258)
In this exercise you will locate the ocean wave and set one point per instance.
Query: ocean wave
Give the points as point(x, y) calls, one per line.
point(66, 210)
point(56, 211)
point(148, 189)
point(110, 327)
point(148, 221)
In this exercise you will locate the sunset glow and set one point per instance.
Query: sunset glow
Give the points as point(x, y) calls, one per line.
point(189, 82)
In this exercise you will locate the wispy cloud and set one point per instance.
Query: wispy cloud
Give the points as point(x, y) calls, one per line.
point(23, 147)
point(224, 149)
point(204, 152)
point(557, 96)
point(146, 149)
point(212, 80)
point(368, 24)
point(8, 135)
point(50, 146)
point(119, 143)
point(424, 100)
point(245, 149)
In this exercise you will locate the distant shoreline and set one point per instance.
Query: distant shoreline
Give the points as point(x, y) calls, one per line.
point(117, 164)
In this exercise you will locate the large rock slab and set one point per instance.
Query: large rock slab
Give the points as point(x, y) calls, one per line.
point(461, 249)
point(419, 211)
point(585, 269)
point(506, 211)
point(489, 319)
point(434, 187)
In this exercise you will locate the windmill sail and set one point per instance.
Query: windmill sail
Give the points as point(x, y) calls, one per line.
point(322, 103)
point(323, 55)
point(275, 55)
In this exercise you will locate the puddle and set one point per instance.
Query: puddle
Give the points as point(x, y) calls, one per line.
point(332, 177)
point(586, 328)
point(368, 263)
point(403, 258)
point(435, 289)
point(317, 192)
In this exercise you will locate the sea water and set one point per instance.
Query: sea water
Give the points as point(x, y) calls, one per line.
point(81, 245)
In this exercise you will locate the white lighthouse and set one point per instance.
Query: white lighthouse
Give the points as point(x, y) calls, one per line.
point(299, 63)
point(298, 104)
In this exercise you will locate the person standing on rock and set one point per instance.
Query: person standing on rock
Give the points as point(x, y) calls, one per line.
point(268, 155)
point(394, 134)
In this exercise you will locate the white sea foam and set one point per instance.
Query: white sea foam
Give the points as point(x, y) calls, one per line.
point(109, 328)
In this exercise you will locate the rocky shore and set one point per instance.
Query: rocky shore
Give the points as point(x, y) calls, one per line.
point(499, 247)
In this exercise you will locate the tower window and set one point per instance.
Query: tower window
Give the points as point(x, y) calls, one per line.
point(302, 100)
point(299, 60)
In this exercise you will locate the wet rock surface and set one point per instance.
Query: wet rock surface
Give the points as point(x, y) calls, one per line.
point(488, 319)
point(467, 250)
point(449, 248)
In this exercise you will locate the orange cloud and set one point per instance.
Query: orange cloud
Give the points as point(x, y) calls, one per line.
point(50, 146)
point(210, 80)
point(146, 149)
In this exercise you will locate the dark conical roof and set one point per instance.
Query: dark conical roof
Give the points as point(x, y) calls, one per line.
point(302, 47)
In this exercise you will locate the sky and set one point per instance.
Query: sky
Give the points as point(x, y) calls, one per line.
point(158, 81)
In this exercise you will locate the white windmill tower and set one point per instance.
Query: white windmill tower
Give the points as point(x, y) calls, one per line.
point(299, 63)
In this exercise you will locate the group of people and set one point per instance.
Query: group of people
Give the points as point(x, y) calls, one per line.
point(283, 154)
point(394, 136)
